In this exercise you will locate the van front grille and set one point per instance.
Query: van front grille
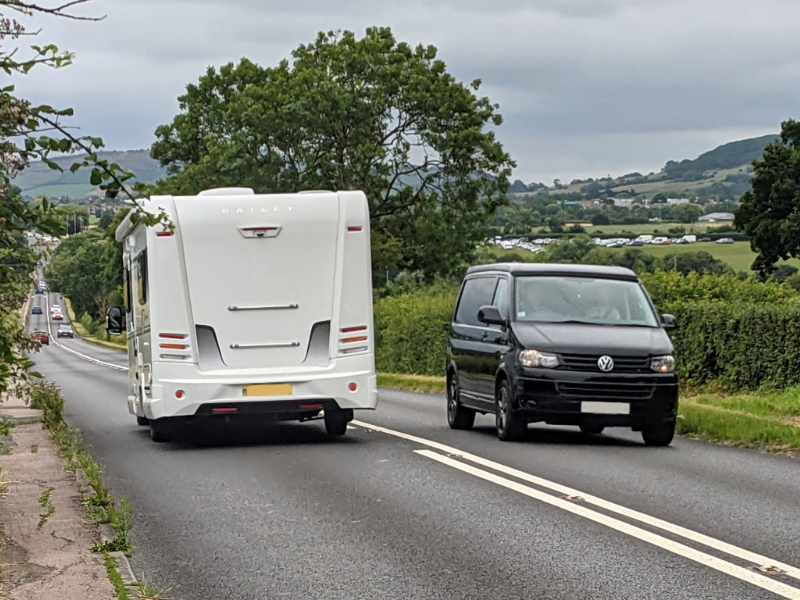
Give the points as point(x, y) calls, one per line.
point(588, 362)
point(606, 391)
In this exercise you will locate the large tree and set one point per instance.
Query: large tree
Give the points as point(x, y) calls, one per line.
point(770, 213)
point(366, 113)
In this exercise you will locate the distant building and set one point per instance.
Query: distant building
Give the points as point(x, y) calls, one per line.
point(625, 202)
point(716, 217)
point(677, 201)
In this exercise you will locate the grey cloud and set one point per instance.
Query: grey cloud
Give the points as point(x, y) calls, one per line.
point(586, 87)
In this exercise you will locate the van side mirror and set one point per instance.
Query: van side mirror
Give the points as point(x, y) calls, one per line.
point(115, 320)
point(490, 315)
point(668, 321)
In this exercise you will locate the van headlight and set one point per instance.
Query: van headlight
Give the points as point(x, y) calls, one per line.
point(663, 364)
point(534, 358)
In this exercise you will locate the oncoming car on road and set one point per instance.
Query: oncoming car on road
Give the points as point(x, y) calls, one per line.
point(560, 344)
point(65, 331)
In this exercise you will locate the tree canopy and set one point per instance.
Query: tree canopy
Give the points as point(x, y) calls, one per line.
point(369, 113)
point(770, 213)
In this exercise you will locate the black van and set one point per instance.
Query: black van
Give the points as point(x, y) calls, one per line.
point(563, 344)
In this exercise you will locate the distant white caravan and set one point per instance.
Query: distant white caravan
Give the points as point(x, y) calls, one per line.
point(249, 306)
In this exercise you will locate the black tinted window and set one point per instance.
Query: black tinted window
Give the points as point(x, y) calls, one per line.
point(477, 292)
point(501, 297)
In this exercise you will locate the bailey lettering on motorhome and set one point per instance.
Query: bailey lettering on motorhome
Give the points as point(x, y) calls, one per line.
point(248, 305)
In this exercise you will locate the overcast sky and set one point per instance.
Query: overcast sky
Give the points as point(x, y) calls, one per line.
point(586, 87)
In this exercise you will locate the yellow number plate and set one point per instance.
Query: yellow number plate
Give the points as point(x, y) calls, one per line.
point(268, 389)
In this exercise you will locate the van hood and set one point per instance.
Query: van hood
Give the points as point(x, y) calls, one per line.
point(578, 338)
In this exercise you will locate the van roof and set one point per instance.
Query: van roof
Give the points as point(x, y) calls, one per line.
point(555, 269)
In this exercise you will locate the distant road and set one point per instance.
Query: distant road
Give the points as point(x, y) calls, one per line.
point(403, 507)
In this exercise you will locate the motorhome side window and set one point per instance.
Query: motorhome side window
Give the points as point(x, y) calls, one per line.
point(126, 283)
point(477, 292)
point(141, 277)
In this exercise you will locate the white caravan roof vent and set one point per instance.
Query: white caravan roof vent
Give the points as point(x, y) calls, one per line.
point(231, 191)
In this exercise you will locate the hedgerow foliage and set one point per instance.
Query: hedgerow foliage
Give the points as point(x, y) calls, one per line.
point(739, 332)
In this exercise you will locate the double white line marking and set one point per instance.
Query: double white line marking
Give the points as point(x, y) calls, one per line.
point(575, 501)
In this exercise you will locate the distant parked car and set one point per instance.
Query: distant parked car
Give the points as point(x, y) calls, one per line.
point(725, 241)
point(42, 337)
point(36, 310)
point(65, 331)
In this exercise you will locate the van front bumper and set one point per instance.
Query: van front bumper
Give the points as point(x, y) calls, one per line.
point(556, 396)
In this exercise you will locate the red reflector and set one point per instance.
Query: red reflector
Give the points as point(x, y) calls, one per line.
point(350, 340)
point(172, 336)
point(352, 329)
point(173, 346)
point(165, 233)
point(179, 394)
point(225, 410)
point(354, 228)
point(311, 406)
point(352, 386)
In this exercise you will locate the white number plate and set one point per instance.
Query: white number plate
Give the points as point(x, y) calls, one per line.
point(606, 408)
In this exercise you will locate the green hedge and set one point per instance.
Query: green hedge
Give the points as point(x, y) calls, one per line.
point(741, 344)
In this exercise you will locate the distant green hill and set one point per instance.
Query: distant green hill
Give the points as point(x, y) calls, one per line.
point(39, 179)
point(726, 156)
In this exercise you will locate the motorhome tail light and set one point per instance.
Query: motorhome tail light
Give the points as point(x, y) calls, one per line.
point(347, 342)
point(224, 410)
point(314, 406)
point(165, 233)
point(173, 336)
point(354, 228)
point(180, 394)
point(352, 386)
point(174, 346)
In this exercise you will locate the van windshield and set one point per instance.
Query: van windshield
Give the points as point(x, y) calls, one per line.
point(590, 300)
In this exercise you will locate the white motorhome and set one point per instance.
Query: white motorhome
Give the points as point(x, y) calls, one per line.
point(248, 306)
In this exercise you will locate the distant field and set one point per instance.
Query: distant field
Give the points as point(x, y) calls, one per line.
point(738, 255)
point(73, 190)
point(649, 228)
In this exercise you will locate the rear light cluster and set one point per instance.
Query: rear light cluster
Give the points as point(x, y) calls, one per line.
point(177, 349)
point(353, 339)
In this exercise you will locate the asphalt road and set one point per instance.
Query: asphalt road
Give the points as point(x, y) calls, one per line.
point(403, 507)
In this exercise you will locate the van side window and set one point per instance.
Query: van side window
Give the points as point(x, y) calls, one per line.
point(141, 277)
point(477, 292)
point(501, 297)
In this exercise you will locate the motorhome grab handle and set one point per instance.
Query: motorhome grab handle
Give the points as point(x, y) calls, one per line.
point(234, 307)
point(266, 345)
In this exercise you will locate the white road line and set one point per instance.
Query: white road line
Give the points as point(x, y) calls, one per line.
point(54, 339)
point(763, 563)
point(723, 566)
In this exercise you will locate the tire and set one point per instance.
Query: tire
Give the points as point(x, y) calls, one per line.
point(160, 431)
point(659, 435)
point(511, 425)
point(592, 428)
point(143, 421)
point(336, 422)
point(458, 417)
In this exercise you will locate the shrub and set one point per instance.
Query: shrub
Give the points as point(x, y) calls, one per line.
point(88, 323)
point(46, 397)
point(412, 330)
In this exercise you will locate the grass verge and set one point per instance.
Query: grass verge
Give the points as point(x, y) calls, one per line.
point(769, 420)
point(99, 504)
point(421, 384)
point(80, 330)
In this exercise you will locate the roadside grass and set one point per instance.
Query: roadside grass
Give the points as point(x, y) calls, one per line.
point(6, 427)
point(120, 589)
point(116, 342)
point(768, 420)
point(421, 384)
